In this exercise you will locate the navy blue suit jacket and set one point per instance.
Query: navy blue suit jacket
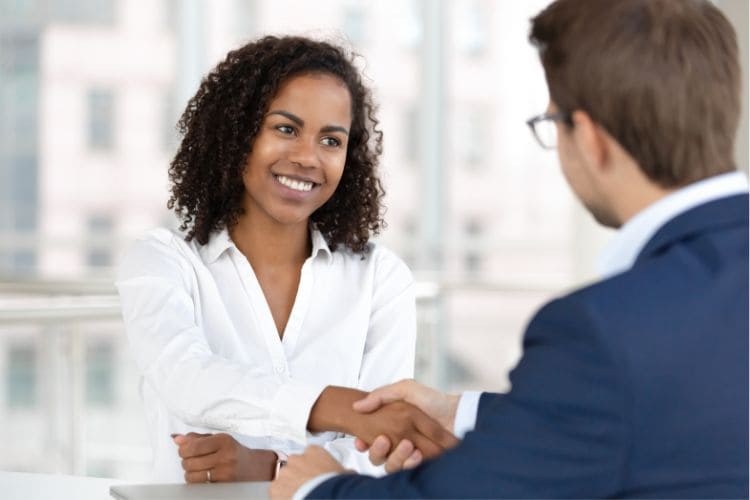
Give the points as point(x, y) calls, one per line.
point(635, 386)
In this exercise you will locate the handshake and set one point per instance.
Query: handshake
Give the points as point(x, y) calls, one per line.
point(400, 424)
point(403, 423)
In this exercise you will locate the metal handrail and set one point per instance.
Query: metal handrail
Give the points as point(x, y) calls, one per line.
point(43, 301)
point(59, 309)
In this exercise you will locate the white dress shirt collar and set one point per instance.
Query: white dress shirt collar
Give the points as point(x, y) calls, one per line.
point(620, 254)
point(220, 241)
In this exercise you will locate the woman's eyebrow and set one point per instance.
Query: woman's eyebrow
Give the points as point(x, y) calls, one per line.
point(334, 128)
point(296, 119)
point(300, 122)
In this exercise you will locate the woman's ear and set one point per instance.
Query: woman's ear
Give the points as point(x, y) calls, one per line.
point(591, 141)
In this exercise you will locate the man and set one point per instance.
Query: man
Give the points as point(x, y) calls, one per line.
point(635, 386)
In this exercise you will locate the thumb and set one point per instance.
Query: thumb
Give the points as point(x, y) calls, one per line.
point(184, 438)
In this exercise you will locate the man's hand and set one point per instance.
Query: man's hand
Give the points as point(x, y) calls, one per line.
point(300, 469)
point(438, 405)
point(404, 456)
point(224, 457)
point(399, 420)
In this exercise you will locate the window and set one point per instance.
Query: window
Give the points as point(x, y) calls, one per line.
point(170, 115)
point(473, 249)
point(411, 134)
point(99, 251)
point(21, 376)
point(19, 131)
point(101, 114)
point(472, 136)
point(100, 373)
point(23, 262)
point(23, 169)
point(410, 240)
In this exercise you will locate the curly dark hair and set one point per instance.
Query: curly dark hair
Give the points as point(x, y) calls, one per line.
point(220, 124)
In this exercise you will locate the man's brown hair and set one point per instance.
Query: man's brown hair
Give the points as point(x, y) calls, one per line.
point(662, 77)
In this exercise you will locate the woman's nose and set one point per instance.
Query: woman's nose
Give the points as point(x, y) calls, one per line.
point(305, 153)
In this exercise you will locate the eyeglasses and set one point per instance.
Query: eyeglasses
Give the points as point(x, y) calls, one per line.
point(544, 128)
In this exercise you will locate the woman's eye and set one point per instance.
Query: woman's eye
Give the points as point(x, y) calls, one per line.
point(331, 141)
point(285, 129)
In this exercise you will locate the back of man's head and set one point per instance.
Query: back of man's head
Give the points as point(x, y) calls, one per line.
point(661, 76)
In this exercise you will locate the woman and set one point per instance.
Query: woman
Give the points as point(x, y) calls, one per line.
point(270, 299)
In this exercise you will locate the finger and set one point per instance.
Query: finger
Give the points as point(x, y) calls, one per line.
point(360, 445)
point(379, 450)
point(369, 403)
point(402, 453)
point(414, 459)
point(197, 477)
point(202, 445)
point(435, 432)
point(381, 396)
point(428, 448)
point(202, 463)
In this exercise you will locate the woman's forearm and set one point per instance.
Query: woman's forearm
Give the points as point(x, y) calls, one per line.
point(333, 411)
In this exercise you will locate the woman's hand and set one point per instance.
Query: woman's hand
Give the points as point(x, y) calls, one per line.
point(224, 458)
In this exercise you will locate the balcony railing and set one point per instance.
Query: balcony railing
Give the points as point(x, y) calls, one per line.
point(65, 432)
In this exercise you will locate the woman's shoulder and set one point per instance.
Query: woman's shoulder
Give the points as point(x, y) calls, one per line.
point(159, 251)
point(384, 262)
point(162, 241)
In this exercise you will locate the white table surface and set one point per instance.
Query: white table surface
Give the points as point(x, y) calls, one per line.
point(28, 486)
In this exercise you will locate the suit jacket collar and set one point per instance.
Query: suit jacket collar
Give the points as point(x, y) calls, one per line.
point(711, 216)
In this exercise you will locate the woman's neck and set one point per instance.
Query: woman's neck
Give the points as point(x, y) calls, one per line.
point(268, 243)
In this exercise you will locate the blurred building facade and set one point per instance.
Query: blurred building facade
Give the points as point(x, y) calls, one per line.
point(90, 92)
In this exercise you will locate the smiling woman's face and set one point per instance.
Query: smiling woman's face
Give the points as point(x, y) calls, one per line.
point(299, 154)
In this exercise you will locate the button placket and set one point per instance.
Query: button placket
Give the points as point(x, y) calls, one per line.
point(279, 367)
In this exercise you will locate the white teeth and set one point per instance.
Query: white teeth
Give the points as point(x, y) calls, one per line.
point(296, 185)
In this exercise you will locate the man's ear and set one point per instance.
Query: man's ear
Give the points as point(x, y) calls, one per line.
point(591, 141)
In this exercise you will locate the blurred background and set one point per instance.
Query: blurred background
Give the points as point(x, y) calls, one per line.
point(90, 91)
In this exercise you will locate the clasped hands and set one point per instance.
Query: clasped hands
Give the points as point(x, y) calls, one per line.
point(425, 419)
point(409, 451)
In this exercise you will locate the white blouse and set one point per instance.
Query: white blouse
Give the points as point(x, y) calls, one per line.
point(211, 359)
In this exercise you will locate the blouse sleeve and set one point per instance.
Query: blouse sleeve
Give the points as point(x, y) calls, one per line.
point(391, 337)
point(389, 347)
point(172, 353)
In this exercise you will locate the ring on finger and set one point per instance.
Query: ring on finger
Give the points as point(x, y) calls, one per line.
point(208, 476)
